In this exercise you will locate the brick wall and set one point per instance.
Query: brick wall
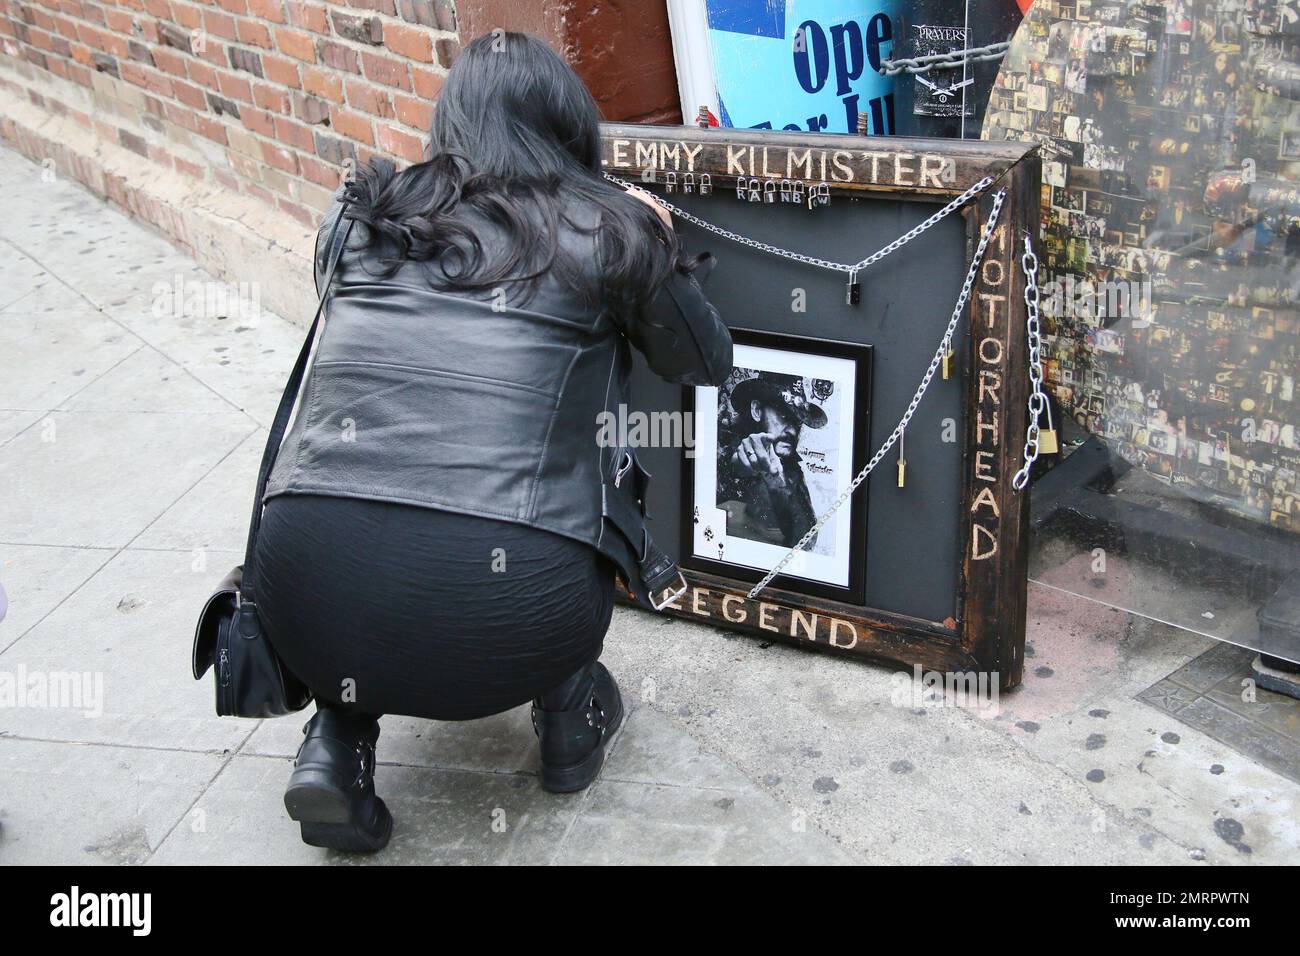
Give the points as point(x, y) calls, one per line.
point(228, 124)
point(269, 98)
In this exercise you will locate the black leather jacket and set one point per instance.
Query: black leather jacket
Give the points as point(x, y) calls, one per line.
point(481, 405)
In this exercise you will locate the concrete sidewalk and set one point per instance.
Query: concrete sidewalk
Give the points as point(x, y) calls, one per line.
point(129, 438)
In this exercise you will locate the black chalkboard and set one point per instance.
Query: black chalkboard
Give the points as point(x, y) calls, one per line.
point(913, 533)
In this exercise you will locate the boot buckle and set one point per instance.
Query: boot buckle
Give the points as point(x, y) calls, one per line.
point(365, 756)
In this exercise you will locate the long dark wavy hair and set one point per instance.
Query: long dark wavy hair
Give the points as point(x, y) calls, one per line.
point(515, 140)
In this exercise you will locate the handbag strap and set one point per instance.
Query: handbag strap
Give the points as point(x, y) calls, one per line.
point(337, 241)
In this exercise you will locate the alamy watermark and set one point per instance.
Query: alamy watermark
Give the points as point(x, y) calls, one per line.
point(207, 299)
point(969, 690)
point(133, 911)
point(637, 429)
point(53, 690)
point(1068, 297)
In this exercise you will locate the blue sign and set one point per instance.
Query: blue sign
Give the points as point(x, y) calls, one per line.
point(808, 65)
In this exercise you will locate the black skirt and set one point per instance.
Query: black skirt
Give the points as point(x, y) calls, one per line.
point(395, 609)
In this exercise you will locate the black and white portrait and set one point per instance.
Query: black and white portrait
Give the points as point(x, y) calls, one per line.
point(763, 480)
point(776, 445)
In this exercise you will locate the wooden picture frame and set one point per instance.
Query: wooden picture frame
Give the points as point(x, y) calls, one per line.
point(986, 634)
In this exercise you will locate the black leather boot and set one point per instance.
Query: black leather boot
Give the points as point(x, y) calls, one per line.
point(574, 723)
point(332, 789)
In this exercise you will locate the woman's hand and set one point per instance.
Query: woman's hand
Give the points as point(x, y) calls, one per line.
point(638, 193)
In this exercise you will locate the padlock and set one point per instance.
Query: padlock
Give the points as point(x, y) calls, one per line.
point(1047, 443)
point(853, 294)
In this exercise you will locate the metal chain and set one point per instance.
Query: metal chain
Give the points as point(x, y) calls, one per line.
point(944, 61)
point(944, 345)
point(1037, 400)
point(876, 256)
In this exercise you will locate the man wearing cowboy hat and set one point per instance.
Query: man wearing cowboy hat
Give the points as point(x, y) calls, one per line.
point(761, 482)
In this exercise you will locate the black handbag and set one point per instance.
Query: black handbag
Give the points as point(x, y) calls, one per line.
point(251, 679)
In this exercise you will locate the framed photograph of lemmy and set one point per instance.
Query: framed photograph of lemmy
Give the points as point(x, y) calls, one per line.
point(775, 446)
